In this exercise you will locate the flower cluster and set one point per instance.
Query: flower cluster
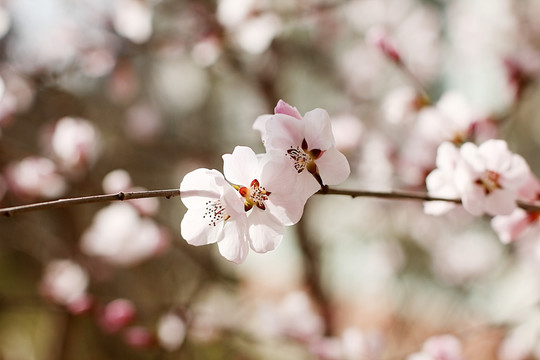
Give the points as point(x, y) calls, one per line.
point(249, 205)
point(486, 178)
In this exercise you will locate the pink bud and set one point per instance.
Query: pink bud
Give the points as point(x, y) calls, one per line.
point(81, 305)
point(117, 315)
point(139, 337)
point(379, 38)
point(283, 108)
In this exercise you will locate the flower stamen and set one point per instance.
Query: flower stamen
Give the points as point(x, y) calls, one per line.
point(215, 212)
point(255, 195)
point(305, 159)
point(489, 181)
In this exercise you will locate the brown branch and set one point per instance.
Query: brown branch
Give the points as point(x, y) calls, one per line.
point(169, 193)
point(121, 196)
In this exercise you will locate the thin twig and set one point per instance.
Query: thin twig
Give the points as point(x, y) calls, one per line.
point(169, 193)
point(121, 196)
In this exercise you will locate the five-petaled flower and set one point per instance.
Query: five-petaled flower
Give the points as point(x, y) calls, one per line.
point(488, 177)
point(268, 201)
point(307, 144)
point(215, 214)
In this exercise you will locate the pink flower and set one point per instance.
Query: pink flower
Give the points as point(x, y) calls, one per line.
point(510, 227)
point(489, 176)
point(215, 214)
point(75, 143)
point(268, 200)
point(171, 331)
point(249, 209)
point(64, 281)
point(120, 236)
point(307, 143)
point(451, 119)
point(35, 177)
point(116, 315)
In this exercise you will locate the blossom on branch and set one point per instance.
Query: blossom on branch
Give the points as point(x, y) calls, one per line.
point(64, 281)
point(519, 222)
point(249, 209)
point(488, 177)
point(215, 214)
point(268, 200)
point(308, 145)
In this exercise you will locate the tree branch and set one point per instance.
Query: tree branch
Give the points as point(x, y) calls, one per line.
point(121, 196)
point(169, 193)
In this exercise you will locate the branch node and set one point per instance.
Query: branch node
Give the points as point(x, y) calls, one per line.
point(121, 196)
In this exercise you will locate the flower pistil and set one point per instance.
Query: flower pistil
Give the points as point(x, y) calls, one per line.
point(254, 195)
point(304, 158)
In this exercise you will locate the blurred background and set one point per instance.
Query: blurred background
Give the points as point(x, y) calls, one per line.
point(101, 96)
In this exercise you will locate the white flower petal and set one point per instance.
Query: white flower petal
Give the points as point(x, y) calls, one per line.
point(240, 166)
point(473, 198)
point(234, 245)
point(318, 130)
point(500, 202)
point(447, 156)
point(260, 125)
point(306, 186)
point(265, 231)
point(200, 186)
point(333, 167)
point(284, 132)
point(277, 174)
point(438, 207)
point(196, 230)
point(283, 108)
point(496, 154)
point(470, 154)
point(517, 174)
point(510, 227)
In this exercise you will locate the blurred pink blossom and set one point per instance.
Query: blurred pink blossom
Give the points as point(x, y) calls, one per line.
point(348, 131)
point(297, 318)
point(120, 180)
point(440, 182)
point(401, 105)
point(132, 19)
point(206, 51)
point(513, 226)
point(171, 331)
point(139, 337)
point(143, 122)
point(35, 177)
point(116, 315)
point(488, 177)
point(120, 236)
point(75, 143)
point(450, 119)
point(116, 181)
point(64, 281)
